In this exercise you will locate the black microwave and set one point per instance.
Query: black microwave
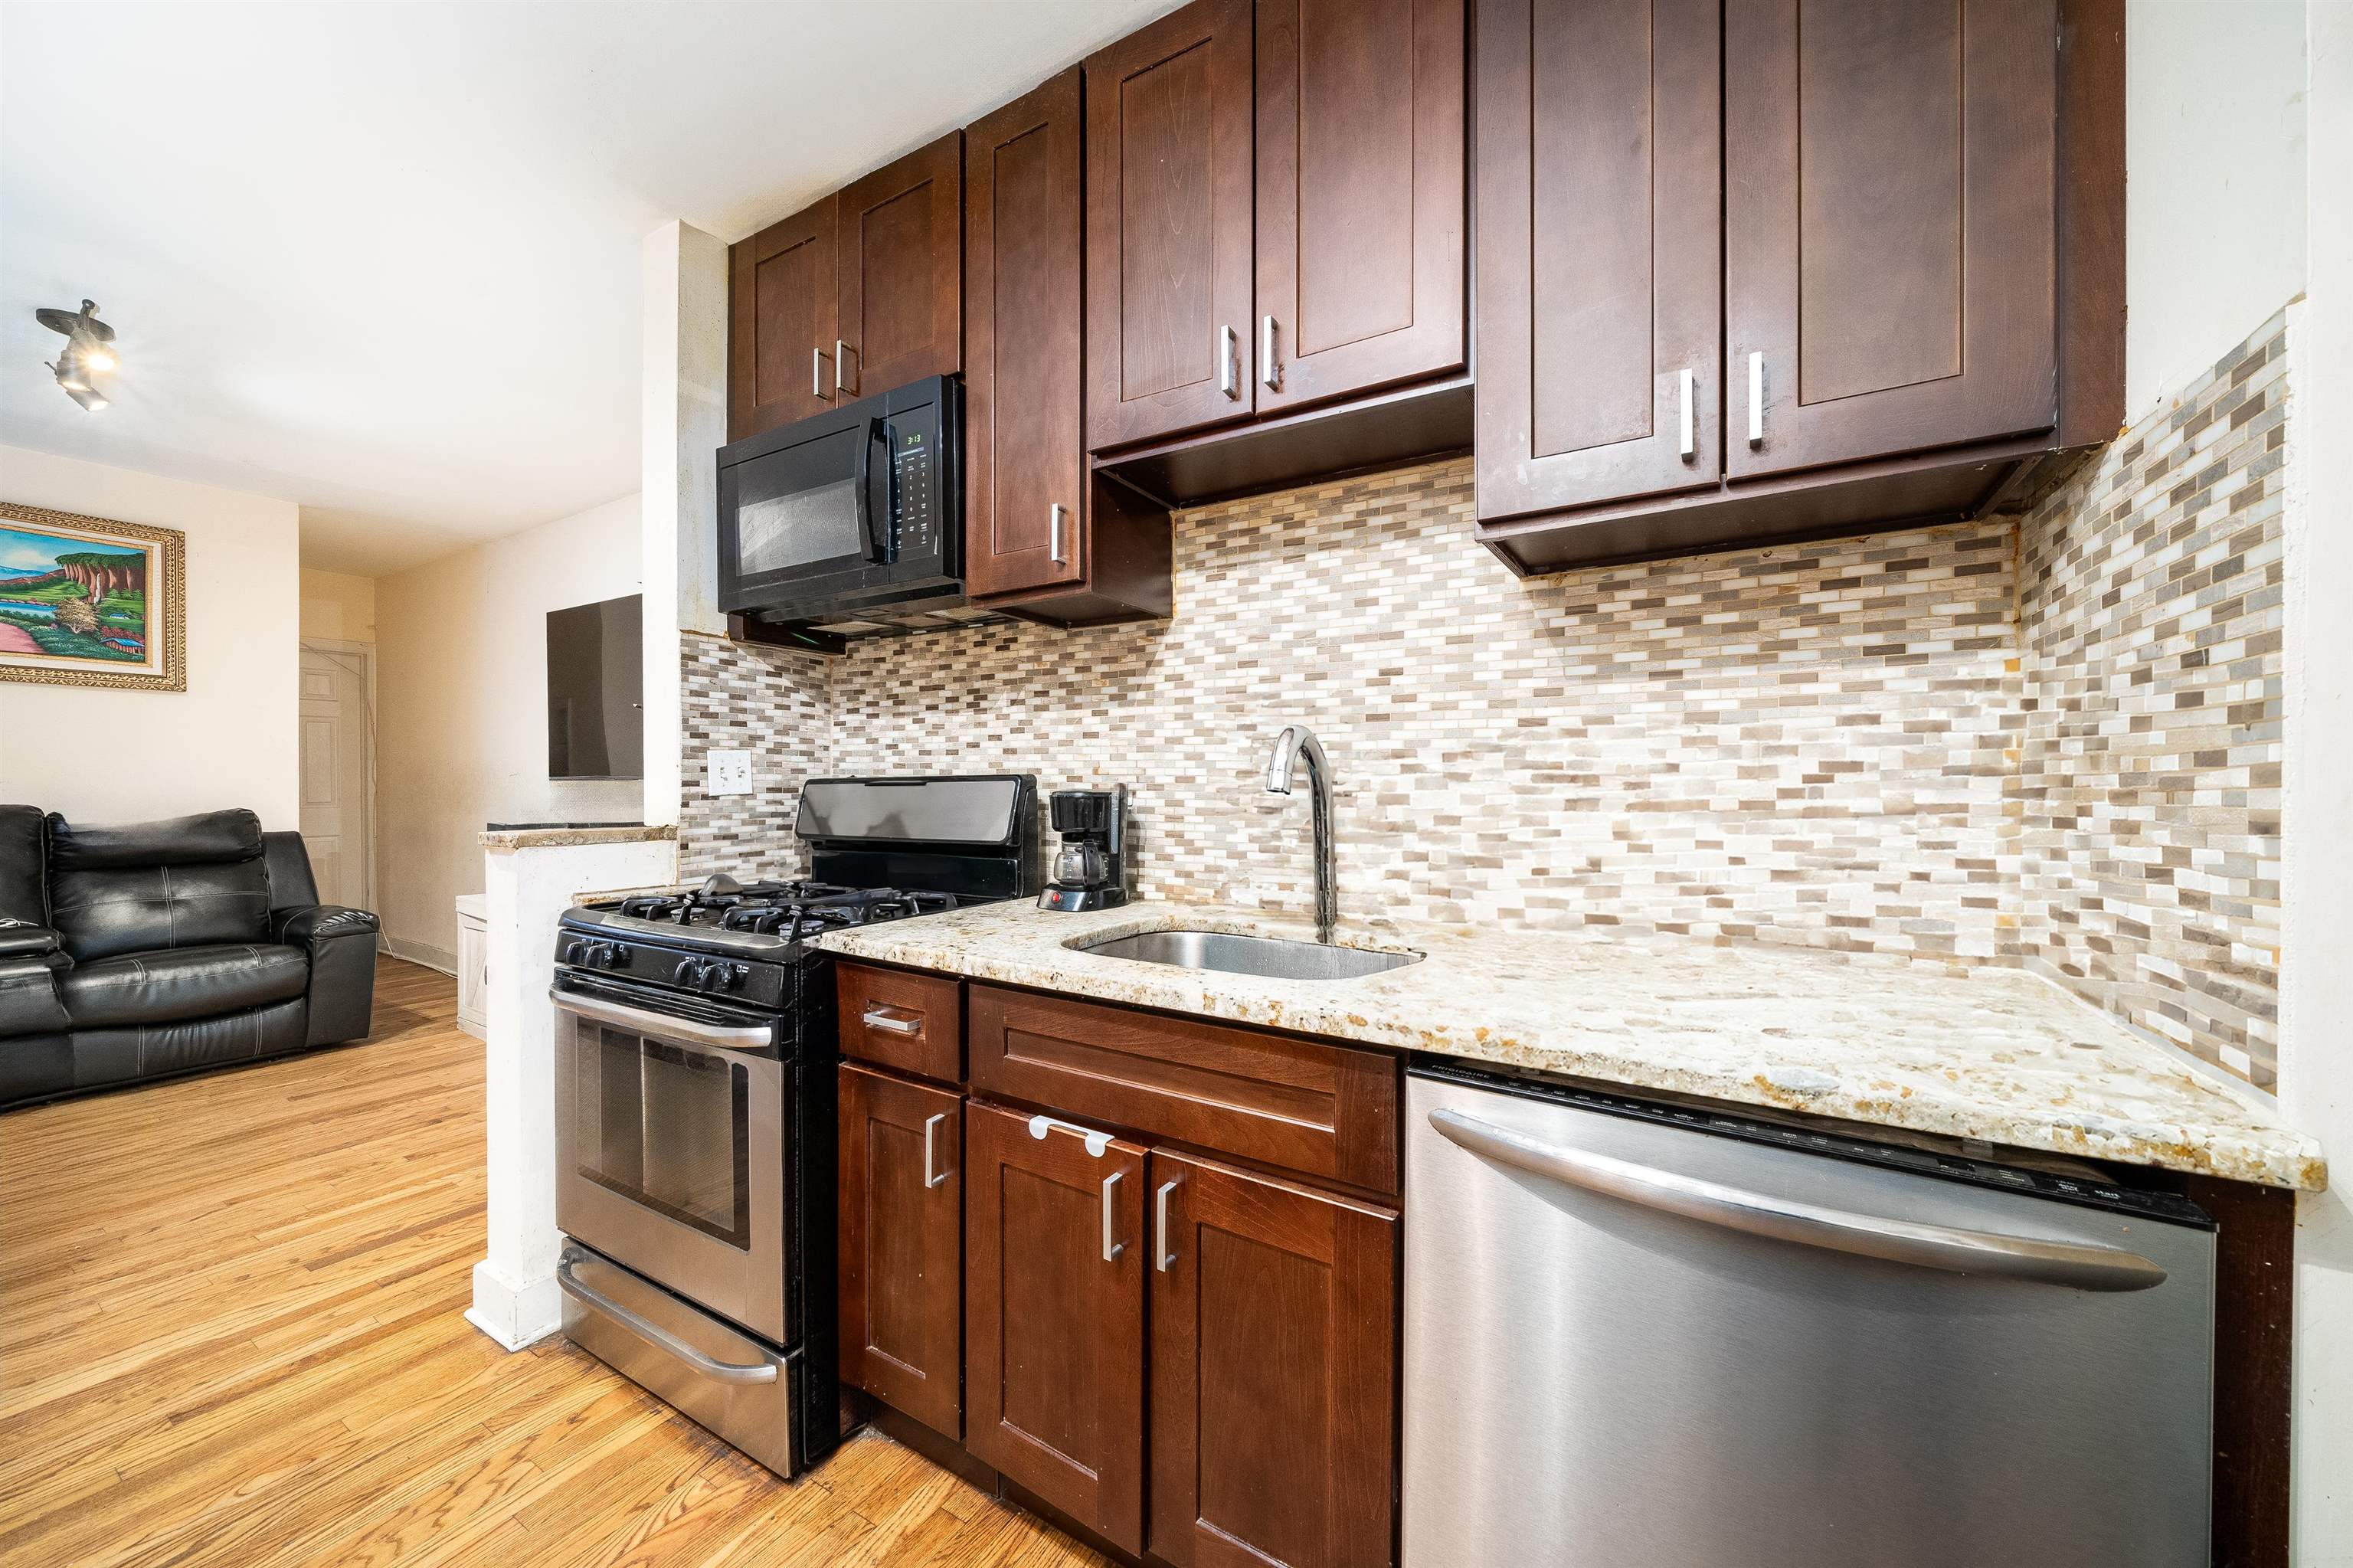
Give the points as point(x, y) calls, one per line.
point(853, 509)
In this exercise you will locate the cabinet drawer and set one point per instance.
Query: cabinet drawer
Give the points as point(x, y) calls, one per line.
point(910, 1022)
point(1324, 1109)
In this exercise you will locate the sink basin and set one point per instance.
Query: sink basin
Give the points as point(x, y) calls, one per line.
point(1276, 958)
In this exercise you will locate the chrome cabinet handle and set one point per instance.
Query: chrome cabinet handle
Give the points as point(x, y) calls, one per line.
point(658, 1337)
point(1054, 532)
point(1947, 1247)
point(817, 372)
point(931, 1136)
point(1112, 1249)
point(1164, 1253)
point(1268, 370)
point(1755, 399)
point(1227, 381)
point(841, 357)
point(876, 1018)
point(1690, 444)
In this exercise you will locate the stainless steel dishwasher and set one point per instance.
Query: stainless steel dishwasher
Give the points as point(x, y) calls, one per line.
point(1639, 1336)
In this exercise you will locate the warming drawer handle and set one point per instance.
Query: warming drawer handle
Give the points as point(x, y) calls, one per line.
point(658, 1337)
point(876, 1018)
point(1946, 1247)
point(664, 1025)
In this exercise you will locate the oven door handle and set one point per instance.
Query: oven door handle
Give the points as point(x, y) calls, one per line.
point(878, 547)
point(658, 1337)
point(664, 1025)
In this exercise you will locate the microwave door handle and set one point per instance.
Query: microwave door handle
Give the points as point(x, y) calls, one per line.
point(877, 549)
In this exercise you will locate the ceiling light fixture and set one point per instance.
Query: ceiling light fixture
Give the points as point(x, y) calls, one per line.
point(89, 351)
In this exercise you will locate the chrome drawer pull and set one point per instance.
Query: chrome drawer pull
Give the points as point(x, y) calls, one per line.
point(1755, 399)
point(1112, 1249)
point(876, 1018)
point(660, 1338)
point(1167, 1255)
point(1227, 381)
point(1096, 1142)
point(1948, 1247)
point(930, 1142)
point(1054, 532)
point(1690, 445)
point(1268, 370)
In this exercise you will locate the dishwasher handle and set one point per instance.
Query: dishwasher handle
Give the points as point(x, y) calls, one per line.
point(1947, 1247)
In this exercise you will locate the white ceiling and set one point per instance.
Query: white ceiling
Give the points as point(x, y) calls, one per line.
point(382, 259)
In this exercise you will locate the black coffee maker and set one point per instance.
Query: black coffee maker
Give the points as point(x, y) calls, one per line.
point(1091, 868)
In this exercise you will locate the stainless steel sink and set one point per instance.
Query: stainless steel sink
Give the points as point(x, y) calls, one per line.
point(1276, 958)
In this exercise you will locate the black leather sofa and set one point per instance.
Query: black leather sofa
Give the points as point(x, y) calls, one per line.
point(145, 949)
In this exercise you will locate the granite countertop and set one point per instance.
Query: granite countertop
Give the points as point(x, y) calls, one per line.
point(508, 839)
point(1997, 1055)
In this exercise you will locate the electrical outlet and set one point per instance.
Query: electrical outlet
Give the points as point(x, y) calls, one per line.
point(729, 772)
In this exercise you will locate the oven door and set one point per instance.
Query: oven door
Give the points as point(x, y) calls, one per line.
point(671, 1147)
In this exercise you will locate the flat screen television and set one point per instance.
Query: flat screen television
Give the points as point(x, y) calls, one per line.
point(596, 690)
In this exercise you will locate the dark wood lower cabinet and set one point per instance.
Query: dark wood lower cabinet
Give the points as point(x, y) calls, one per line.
point(1274, 1371)
point(1056, 1256)
point(901, 1258)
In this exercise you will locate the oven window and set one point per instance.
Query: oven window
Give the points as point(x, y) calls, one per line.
point(670, 1129)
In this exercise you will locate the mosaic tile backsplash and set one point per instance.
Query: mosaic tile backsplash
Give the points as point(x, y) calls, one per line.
point(2151, 594)
point(1930, 744)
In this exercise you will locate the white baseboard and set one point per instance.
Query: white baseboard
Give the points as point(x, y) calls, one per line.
point(516, 1314)
point(425, 953)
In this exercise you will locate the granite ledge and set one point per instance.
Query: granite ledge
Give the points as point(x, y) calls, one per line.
point(1993, 1054)
point(507, 841)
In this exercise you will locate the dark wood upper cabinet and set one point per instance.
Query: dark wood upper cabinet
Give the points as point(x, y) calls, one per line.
point(1905, 235)
point(780, 337)
point(901, 1289)
point(901, 250)
point(1890, 245)
point(1168, 225)
point(1361, 220)
point(1274, 1371)
point(1025, 389)
point(1600, 294)
point(1054, 1327)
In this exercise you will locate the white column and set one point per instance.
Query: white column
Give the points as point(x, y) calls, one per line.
point(2317, 980)
point(515, 1299)
point(684, 422)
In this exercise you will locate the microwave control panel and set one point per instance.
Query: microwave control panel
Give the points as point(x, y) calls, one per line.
point(912, 486)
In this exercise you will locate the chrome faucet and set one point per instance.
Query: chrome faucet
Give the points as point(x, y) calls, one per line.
point(1297, 741)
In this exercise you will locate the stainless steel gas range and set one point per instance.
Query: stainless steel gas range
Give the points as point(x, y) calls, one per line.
point(695, 1050)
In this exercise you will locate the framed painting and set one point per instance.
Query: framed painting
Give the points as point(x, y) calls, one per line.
point(85, 601)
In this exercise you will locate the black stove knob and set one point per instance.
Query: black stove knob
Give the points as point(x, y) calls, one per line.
point(734, 975)
point(615, 956)
point(684, 973)
point(571, 954)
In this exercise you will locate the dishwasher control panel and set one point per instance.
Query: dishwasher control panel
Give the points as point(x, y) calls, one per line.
point(2088, 1192)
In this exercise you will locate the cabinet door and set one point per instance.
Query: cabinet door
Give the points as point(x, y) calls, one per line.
point(1599, 299)
point(780, 334)
point(1361, 220)
point(901, 271)
point(1275, 1316)
point(902, 1245)
point(1025, 391)
point(1168, 225)
point(1890, 246)
point(1054, 1317)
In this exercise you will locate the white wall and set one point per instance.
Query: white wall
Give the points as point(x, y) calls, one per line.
point(338, 606)
point(228, 739)
point(462, 704)
point(2316, 984)
point(2214, 208)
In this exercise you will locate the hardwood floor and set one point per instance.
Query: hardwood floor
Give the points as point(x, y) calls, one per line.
point(230, 1334)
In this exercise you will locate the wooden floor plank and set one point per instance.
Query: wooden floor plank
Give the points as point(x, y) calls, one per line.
point(230, 1337)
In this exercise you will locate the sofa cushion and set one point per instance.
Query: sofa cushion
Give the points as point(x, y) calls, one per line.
point(181, 982)
point(23, 856)
point(144, 887)
point(209, 838)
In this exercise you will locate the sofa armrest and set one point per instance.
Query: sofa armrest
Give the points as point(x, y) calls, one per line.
point(342, 945)
point(29, 1003)
point(311, 924)
point(23, 940)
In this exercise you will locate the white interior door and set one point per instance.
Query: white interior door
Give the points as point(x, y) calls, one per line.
point(336, 799)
